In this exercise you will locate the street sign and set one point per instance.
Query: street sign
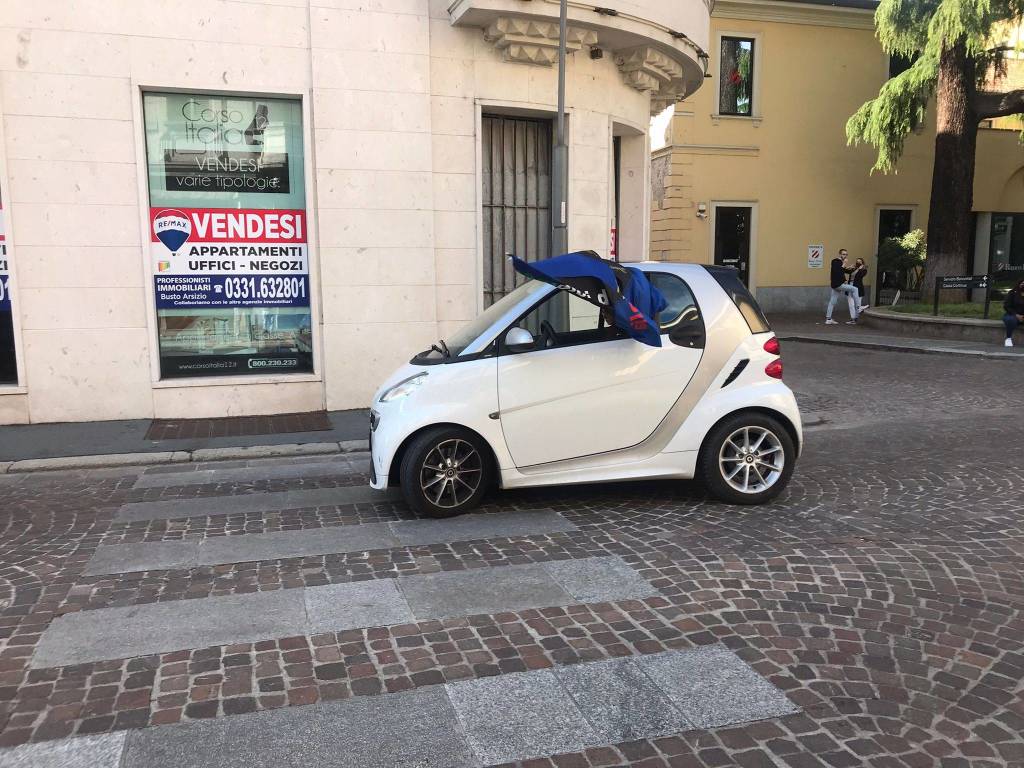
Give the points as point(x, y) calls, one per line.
point(815, 256)
point(961, 282)
point(964, 281)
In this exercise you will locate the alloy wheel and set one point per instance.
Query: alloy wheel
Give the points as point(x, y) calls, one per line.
point(451, 473)
point(752, 459)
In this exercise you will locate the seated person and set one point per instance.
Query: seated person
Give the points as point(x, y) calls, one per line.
point(1014, 306)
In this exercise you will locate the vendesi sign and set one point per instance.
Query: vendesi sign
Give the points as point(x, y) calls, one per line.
point(220, 258)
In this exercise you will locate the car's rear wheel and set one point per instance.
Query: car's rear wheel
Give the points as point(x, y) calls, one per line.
point(747, 459)
point(446, 471)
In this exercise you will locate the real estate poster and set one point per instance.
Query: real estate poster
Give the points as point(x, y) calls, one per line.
point(228, 234)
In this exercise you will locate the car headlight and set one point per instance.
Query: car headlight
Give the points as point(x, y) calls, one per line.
point(403, 388)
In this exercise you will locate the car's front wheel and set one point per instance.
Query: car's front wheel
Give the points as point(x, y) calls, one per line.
point(747, 459)
point(446, 471)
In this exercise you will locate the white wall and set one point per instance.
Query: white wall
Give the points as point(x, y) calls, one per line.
point(393, 98)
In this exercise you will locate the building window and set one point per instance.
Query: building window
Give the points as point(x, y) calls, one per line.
point(736, 77)
point(8, 363)
point(898, 64)
point(516, 178)
point(1006, 249)
point(228, 234)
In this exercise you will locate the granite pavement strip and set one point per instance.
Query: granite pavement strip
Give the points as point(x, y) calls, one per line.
point(151, 628)
point(251, 503)
point(151, 556)
point(478, 722)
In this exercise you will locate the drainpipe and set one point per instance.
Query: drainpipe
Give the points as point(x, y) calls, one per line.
point(560, 157)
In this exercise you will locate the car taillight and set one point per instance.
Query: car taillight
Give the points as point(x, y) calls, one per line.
point(774, 369)
point(772, 346)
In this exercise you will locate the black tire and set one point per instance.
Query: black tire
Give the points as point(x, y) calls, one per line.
point(715, 455)
point(423, 464)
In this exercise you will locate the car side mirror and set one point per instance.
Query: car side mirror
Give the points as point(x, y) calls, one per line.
point(519, 340)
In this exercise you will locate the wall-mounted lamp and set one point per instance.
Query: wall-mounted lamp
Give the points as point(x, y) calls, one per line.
point(702, 210)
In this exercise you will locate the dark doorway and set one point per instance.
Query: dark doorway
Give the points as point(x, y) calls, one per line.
point(893, 222)
point(732, 239)
point(516, 198)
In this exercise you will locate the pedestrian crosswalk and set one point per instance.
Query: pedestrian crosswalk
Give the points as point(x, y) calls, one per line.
point(484, 718)
point(472, 723)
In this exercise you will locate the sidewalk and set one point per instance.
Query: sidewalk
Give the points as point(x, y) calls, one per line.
point(21, 443)
point(812, 328)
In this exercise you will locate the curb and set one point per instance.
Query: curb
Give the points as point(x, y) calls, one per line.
point(146, 459)
point(993, 355)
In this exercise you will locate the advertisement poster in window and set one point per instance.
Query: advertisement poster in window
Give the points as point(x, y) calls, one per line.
point(228, 234)
point(8, 367)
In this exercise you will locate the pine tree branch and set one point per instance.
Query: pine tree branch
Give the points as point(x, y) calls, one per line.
point(989, 104)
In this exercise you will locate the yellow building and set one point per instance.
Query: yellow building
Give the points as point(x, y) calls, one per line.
point(757, 172)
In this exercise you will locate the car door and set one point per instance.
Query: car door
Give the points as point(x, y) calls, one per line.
point(590, 390)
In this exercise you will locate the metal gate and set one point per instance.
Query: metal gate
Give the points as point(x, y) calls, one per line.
point(516, 198)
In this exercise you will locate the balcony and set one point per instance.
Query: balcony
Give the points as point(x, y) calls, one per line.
point(659, 46)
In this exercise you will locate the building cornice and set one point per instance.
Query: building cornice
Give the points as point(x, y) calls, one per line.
point(795, 13)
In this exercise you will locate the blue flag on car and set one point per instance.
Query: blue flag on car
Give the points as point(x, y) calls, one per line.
point(635, 303)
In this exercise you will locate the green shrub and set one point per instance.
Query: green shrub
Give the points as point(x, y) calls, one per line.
point(905, 257)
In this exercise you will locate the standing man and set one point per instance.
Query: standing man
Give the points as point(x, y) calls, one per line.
point(837, 278)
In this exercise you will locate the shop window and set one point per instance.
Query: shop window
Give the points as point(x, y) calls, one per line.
point(1006, 249)
point(736, 77)
point(228, 234)
point(8, 365)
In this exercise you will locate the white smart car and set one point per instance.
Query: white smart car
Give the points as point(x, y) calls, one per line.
point(539, 390)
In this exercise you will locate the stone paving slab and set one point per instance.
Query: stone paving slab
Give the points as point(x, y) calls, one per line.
point(416, 728)
point(247, 474)
point(375, 603)
point(142, 556)
point(620, 702)
point(599, 581)
point(482, 590)
point(217, 550)
point(468, 527)
point(284, 544)
point(141, 630)
point(519, 716)
point(252, 502)
point(713, 687)
point(102, 751)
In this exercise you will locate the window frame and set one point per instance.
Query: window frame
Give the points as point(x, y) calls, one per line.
point(504, 350)
point(756, 113)
point(753, 74)
point(674, 331)
point(215, 89)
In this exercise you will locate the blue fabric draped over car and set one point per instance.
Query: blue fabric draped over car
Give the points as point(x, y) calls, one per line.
point(634, 302)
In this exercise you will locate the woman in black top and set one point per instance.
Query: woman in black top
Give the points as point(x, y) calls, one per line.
point(860, 271)
point(1014, 306)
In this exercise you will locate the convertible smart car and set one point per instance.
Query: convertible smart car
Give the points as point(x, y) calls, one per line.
point(544, 388)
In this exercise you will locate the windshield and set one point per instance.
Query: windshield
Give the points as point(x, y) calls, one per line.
point(471, 331)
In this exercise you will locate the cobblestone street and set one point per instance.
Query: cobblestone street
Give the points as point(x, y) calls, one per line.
point(278, 613)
